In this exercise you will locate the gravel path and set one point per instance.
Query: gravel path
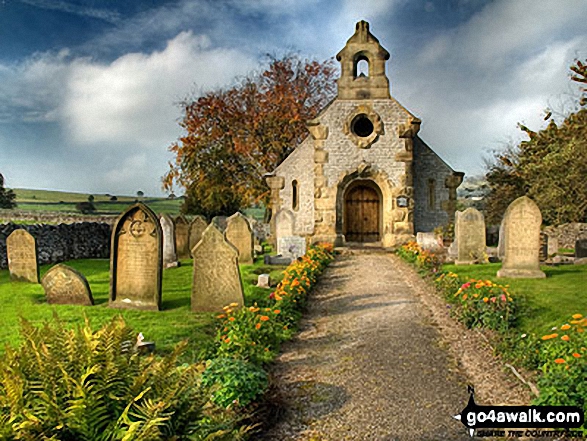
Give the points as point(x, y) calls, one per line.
point(368, 364)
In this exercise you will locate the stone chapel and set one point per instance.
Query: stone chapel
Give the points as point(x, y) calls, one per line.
point(363, 175)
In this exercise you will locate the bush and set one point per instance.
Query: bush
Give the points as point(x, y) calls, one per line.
point(234, 382)
point(425, 261)
point(83, 385)
point(85, 207)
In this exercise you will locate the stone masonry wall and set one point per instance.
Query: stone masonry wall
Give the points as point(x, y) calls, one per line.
point(568, 234)
point(57, 243)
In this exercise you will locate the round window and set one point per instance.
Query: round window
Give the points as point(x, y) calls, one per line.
point(362, 126)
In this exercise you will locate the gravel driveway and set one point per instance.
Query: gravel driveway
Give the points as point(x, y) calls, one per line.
point(368, 363)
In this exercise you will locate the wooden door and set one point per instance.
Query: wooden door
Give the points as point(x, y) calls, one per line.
point(362, 215)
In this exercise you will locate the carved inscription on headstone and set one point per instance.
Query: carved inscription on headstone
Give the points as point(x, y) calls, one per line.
point(169, 252)
point(240, 234)
point(66, 286)
point(471, 246)
point(217, 280)
point(136, 259)
point(197, 227)
point(21, 250)
point(522, 240)
point(182, 231)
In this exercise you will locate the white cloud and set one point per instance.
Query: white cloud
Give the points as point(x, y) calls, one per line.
point(71, 8)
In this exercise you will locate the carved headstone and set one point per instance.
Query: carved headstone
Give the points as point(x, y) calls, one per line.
point(552, 246)
point(429, 241)
point(220, 222)
point(21, 251)
point(66, 286)
point(471, 246)
point(169, 251)
point(197, 227)
point(522, 240)
point(284, 224)
point(136, 260)
point(264, 281)
point(182, 231)
point(240, 234)
point(217, 280)
point(291, 246)
point(580, 248)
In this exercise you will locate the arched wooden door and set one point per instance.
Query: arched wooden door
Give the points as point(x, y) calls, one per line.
point(362, 206)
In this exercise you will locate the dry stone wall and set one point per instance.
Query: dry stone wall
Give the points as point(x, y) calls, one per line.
point(58, 243)
point(568, 234)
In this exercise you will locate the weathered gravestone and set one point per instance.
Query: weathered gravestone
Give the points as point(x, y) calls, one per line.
point(580, 248)
point(471, 246)
point(21, 251)
point(66, 286)
point(220, 222)
point(543, 247)
point(217, 280)
point(284, 224)
point(182, 231)
point(291, 246)
point(136, 260)
point(501, 243)
point(264, 281)
point(429, 241)
point(197, 227)
point(240, 234)
point(552, 245)
point(521, 237)
point(169, 251)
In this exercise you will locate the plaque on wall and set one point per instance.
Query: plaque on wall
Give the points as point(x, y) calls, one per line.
point(402, 201)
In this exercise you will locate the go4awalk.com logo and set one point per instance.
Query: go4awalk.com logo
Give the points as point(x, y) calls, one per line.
point(476, 417)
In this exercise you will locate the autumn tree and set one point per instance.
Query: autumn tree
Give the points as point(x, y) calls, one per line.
point(7, 197)
point(550, 167)
point(234, 136)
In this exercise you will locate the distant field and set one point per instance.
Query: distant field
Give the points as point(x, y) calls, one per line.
point(45, 200)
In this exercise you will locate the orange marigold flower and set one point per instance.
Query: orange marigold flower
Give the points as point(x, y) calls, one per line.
point(258, 326)
point(565, 327)
point(276, 311)
point(220, 316)
point(565, 338)
point(577, 316)
point(549, 336)
point(560, 361)
point(233, 305)
point(479, 285)
point(576, 355)
point(278, 298)
point(266, 349)
point(253, 309)
point(227, 340)
point(232, 319)
point(486, 299)
point(264, 318)
point(580, 330)
point(465, 296)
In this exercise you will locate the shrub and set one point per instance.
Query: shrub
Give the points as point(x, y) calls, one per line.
point(234, 382)
point(84, 385)
point(426, 261)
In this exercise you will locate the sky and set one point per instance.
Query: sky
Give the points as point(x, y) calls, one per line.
point(89, 89)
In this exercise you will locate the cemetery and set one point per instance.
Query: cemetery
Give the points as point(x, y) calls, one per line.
point(366, 288)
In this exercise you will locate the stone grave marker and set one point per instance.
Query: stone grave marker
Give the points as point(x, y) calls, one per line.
point(471, 246)
point(217, 280)
point(552, 247)
point(429, 241)
point(522, 240)
point(21, 251)
point(284, 224)
point(220, 222)
point(182, 231)
point(580, 248)
point(169, 251)
point(64, 285)
point(291, 246)
point(197, 227)
point(501, 243)
point(239, 233)
point(264, 281)
point(136, 260)
point(543, 247)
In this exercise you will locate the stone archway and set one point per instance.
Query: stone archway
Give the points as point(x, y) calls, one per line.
point(362, 218)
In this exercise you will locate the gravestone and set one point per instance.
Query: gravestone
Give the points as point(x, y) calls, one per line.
point(136, 260)
point(522, 240)
point(264, 281)
point(182, 231)
point(291, 246)
point(471, 246)
point(501, 243)
point(64, 285)
point(21, 251)
point(552, 247)
point(429, 241)
point(580, 248)
point(217, 280)
point(543, 247)
point(197, 227)
point(240, 234)
point(169, 251)
point(284, 224)
point(220, 222)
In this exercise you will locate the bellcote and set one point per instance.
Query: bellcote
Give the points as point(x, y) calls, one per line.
point(362, 63)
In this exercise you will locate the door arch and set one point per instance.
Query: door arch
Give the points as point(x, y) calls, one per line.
point(362, 212)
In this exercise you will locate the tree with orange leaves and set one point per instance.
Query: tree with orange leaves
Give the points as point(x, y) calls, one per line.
point(233, 137)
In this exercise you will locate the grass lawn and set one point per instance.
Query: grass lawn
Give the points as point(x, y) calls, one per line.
point(549, 302)
point(166, 328)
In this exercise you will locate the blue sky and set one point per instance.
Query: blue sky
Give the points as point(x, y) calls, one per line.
point(89, 88)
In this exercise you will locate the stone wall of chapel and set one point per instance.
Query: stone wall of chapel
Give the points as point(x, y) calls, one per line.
point(427, 166)
point(299, 166)
point(344, 156)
